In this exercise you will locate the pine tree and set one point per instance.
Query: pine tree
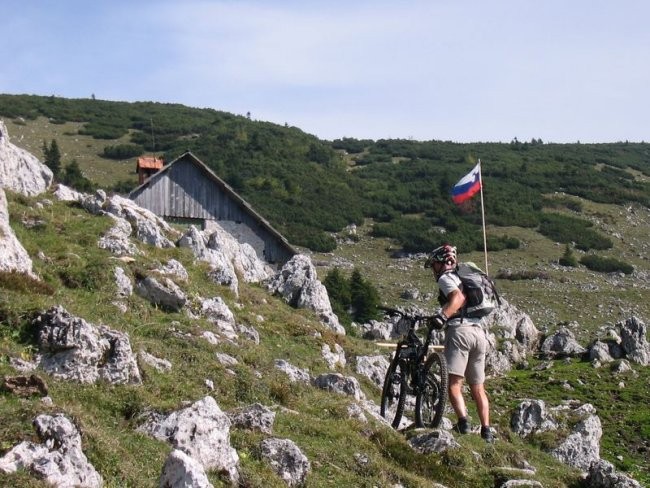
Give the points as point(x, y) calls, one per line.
point(568, 259)
point(52, 157)
point(364, 298)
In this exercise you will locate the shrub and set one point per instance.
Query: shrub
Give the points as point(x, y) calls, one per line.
point(606, 265)
point(122, 151)
point(562, 228)
point(568, 259)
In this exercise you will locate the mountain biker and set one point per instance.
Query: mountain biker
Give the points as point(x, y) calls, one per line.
point(465, 342)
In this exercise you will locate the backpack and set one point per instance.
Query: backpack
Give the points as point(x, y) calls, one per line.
point(479, 290)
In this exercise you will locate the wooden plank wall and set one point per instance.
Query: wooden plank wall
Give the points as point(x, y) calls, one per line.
point(186, 191)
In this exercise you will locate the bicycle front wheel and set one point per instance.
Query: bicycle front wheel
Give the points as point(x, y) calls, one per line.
point(393, 394)
point(431, 399)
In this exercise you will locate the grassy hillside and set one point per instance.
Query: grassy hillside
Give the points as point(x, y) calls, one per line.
point(308, 188)
point(77, 275)
point(387, 183)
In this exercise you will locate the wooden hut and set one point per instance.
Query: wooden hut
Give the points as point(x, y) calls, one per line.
point(147, 166)
point(187, 191)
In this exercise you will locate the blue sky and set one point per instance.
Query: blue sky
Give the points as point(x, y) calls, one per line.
point(473, 70)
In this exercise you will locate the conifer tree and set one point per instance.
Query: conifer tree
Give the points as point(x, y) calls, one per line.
point(52, 157)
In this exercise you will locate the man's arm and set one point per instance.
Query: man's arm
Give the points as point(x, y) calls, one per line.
point(455, 301)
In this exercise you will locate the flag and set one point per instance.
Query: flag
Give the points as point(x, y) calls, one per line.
point(468, 186)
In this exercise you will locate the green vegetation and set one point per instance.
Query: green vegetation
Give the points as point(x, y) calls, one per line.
point(308, 188)
point(568, 258)
point(352, 299)
point(563, 228)
point(77, 275)
point(606, 265)
point(52, 157)
point(397, 193)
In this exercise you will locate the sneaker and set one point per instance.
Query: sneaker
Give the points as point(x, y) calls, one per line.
point(462, 426)
point(486, 434)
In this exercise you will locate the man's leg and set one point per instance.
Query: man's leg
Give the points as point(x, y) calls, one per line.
point(482, 403)
point(456, 395)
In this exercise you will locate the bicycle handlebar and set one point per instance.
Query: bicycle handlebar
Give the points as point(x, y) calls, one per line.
point(410, 316)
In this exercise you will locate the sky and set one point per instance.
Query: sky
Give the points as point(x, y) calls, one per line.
point(452, 70)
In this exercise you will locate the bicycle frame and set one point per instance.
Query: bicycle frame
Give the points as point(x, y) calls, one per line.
point(413, 371)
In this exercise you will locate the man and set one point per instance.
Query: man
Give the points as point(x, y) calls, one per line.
point(465, 342)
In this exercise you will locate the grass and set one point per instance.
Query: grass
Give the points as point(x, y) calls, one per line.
point(86, 150)
point(78, 275)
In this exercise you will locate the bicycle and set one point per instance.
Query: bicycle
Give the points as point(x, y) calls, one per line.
point(411, 372)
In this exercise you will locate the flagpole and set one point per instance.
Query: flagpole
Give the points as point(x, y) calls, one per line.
point(480, 178)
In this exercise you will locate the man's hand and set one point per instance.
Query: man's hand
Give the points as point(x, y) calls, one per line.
point(438, 321)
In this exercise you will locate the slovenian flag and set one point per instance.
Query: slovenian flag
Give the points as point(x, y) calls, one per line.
point(468, 186)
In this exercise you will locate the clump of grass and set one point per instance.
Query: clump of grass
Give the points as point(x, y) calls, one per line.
point(23, 283)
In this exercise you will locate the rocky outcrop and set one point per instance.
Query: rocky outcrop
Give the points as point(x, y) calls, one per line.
point(13, 256)
point(337, 383)
point(295, 374)
point(562, 344)
point(286, 459)
point(581, 447)
point(298, 285)
point(59, 460)
point(373, 367)
point(255, 417)
point(633, 341)
point(202, 431)
point(182, 471)
point(164, 293)
point(228, 259)
point(72, 349)
point(602, 474)
point(21, 171)
point(130, 220)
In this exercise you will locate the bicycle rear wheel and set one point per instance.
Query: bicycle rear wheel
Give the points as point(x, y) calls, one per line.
point(431, 399)
point(393, 394)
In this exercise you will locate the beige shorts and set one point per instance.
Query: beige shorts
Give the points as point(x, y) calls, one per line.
point(465, 348)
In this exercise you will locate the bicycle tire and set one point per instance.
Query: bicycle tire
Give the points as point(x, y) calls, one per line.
point(431, 399)
point(393, 393)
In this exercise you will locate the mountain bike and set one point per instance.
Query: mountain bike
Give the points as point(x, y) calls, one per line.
point(413, 371)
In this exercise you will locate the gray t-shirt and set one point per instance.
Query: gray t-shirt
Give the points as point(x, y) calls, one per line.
point(447, 283)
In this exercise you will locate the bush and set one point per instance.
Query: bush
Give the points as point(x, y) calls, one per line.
point(568, 259)
point(122, 151)
point(606, 265)
point(566, 229)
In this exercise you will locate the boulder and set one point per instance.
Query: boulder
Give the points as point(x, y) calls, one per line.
point(299, 286)
point(433, 441)
point(344, 385)
point(634, 342)
point(202, 431)
point(72, 349)
point(335, 358)
point(59, 460)
point(182, 471)
point(296, 375)
point(13, 256)
point(582, 447)
point(254, 417)
point(531, 416)
point(165, 293)
point(21, 171)
point(217, 313)
point(286, 459)
point(602, 474)
point(373, 367)
point(562, 344)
